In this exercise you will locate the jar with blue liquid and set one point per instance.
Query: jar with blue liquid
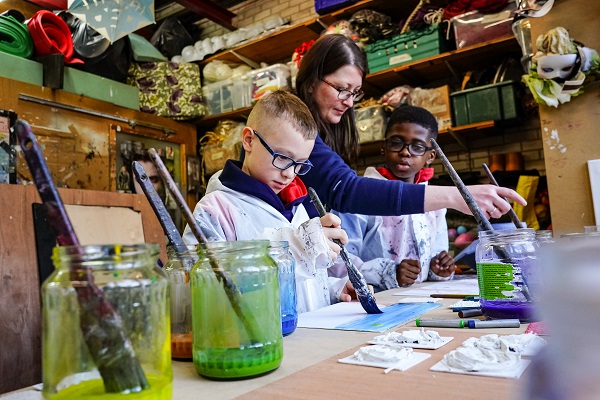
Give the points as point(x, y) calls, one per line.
point(508, 273)
point(280, 253)
point(236, 316)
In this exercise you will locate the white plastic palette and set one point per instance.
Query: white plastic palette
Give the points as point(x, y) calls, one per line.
point(402, 365)
point(513, 372)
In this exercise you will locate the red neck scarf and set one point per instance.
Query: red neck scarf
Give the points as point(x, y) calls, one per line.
point(293, 191)
point(423, 175)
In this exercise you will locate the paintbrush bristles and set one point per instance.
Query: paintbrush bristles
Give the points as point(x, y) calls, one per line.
point(480, 217)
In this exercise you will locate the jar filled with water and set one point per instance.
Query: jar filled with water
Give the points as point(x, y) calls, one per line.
point(236, 315)
point(508, 273)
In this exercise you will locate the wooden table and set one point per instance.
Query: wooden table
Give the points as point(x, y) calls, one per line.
point(310, 370)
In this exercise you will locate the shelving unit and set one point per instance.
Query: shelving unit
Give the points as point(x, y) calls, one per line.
point(279, 46)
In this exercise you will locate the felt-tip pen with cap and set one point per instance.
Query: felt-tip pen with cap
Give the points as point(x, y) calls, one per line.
point(494, 323)
point(441, 323)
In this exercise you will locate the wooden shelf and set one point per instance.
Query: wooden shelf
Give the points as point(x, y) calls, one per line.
point(454, 134)
point(279, 46)
point(211, 121)
point(440, 66)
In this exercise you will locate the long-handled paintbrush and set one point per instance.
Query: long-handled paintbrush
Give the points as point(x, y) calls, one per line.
point(480, 217)
point(101, 325)
point(233, 293)
point(162, 214)
point(358, 281)
point(511, 213)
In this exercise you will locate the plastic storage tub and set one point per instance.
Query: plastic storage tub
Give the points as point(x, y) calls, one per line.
point(475, 27)
point(405, 48)
point(268, 79)
point(218, 96)
point(370, 122)
point(498, 101)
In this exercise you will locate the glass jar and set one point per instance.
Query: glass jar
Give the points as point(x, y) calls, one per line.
point(507, 272)
point(544, 236)
point(236, 316)
point(127, 277)
point(177, 268)
point(280, 252)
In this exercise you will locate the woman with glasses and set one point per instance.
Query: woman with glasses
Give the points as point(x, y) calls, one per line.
point(329, 81)
point(401, 250)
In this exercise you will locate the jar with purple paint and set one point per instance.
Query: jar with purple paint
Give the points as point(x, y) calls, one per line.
point(508, 273)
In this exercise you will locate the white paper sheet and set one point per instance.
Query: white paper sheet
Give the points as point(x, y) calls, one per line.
point(332, 316)
point(419, 300)
point(398, 366)
point(459, 286)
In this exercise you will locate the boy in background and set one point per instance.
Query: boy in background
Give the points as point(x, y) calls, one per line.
point(262, 197)
point(397, 251)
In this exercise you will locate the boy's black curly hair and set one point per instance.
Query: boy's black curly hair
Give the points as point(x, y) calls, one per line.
point(412, 114)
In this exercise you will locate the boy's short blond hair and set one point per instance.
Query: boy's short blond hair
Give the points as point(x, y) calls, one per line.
point(286, 107)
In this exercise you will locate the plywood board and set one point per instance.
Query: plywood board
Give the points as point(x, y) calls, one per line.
point(570, 132)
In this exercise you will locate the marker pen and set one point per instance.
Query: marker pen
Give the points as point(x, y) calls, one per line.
point(494, 323)
point(472, 312)
point(441, 323)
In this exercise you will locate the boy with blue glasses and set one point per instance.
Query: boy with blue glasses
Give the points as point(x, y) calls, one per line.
point(261, 198)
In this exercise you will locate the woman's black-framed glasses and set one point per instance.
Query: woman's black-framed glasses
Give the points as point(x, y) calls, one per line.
point(345, 94)
point(415, 149)
point(283, 162)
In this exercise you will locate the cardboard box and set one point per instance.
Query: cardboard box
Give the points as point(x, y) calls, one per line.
point(437, 102)
point(75, 81)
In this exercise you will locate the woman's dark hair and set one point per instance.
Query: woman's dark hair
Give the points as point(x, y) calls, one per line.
point(328, 54)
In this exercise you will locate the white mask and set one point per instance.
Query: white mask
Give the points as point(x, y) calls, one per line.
point(557, 67)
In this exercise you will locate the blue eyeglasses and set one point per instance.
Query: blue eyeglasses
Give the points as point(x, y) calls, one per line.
point(283, 162)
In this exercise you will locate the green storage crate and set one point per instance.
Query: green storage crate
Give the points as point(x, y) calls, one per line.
point(497, 102)
point(404, 48)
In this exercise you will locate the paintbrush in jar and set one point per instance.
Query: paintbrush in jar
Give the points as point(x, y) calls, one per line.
point(358, 281)
point(233, 293)
point(101, 326)
point(511, 213)
point(480, 217)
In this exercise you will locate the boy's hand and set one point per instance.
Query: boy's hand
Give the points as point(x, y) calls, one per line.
point(348, 292)
point(442, 265)
point(407, 272)
point(332, 230)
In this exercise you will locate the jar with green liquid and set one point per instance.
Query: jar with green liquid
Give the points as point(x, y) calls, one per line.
point(236, 318)
point(127, 277)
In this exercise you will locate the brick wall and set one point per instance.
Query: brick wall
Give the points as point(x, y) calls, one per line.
point(525, 138)
point(252, 11)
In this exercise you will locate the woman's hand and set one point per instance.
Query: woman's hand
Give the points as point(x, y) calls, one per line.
point(489, 198)
point(332, 230)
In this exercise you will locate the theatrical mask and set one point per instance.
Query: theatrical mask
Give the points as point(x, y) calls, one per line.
point(557, 67)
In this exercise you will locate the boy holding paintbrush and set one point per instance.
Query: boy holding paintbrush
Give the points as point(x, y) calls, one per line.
point(262, 197)
point(397, 251)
